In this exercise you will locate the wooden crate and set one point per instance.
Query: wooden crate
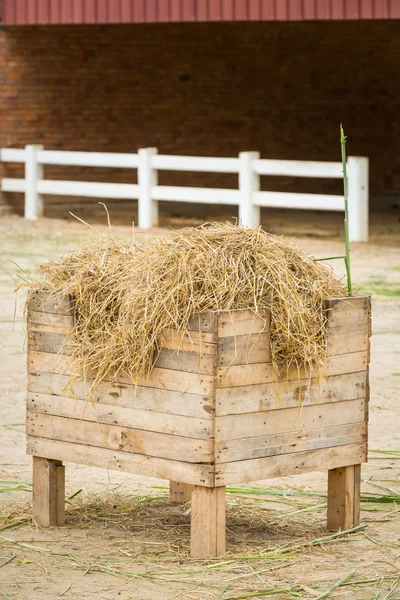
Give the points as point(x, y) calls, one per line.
point(211, 413)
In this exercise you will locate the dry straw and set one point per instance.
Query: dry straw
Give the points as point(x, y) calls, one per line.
point(127, 293)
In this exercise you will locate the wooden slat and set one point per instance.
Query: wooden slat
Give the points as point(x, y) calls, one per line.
point(344, 497)
point(49, 328)
point(242, 322)
point(124, 395)
point(205, 322)
point(290, 394)
point(36, 317)
point(51, 303)
point(286, 443)
point(123, 439)
point(353, 338)
point(345, 317)
point(137, 418)
point(244, 350)
point(262, 373)
point(178, 381)
point(197, 474)
point(289, 419)
point(335, 306)
point(53, 343)
point(207, 527)
point(290, 464)
point(188, 362)
point(194, 341)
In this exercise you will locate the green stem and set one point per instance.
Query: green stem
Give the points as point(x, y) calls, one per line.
point(346, 211)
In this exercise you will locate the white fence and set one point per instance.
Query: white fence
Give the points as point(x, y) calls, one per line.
point(248, 197)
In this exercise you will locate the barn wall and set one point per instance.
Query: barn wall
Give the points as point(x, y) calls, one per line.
point(205, 89)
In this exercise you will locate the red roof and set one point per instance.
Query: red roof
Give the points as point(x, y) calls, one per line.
point(44, 12)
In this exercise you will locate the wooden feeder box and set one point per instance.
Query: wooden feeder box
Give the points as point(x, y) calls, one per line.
point(210, 414)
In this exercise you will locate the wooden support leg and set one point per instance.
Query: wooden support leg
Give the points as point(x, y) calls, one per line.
point(48, 492)
point(180, 492)
point(208, 520)
point(344, 498)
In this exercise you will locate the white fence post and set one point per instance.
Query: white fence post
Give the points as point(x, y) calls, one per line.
point(147, 179)
point(33, 174)
point(249, 182)
point(357, 170)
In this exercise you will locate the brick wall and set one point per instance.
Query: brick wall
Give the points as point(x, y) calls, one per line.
point(206, 89)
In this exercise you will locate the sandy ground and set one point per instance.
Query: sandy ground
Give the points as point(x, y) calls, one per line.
point(119, 545)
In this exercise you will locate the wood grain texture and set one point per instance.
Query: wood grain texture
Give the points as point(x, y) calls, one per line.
point(189, 341)
point(344, 497)
point(242, 322)
point(48, 481)
point(49, 302)
point(232, 427)
point(244, 350)
point(286, 443)
point(123, 395)
point(123, 439)
point(136, 418)
point(290, 394)
point(197, 474)
point(234, 376)
point(208, 522)
point(168, 379)
point(189, 362)
point(290, 464)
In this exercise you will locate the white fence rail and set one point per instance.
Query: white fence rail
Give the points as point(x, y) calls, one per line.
point(248, 197)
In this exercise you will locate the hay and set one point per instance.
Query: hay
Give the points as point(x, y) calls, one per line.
point(127, 293)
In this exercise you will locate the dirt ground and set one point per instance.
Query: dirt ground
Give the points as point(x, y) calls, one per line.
point(124, 541)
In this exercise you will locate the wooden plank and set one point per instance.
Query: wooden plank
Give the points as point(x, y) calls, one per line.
point(242, 322)
point(208, 522)
point(344, 497)
point(290, 394)
point(51, 319)
point(353, 338)
point(194, 341)
point(178, 381)
point(136, 418)
point(197, 474)
point(49, 328)
point(123, 439)
point(124, 395)
point(290, 464)
point(48, 342)
point(232, 427)
point(346, 317)
point(205, 322)
point(189, 362)
point(286, 443)
point(180, 492)
point(60, 495)
point(241, 375)
point(337, 305)
point(48, 492)
point(51, 303)
point(244, 350)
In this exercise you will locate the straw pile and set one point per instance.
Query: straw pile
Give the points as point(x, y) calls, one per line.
point(127, 293)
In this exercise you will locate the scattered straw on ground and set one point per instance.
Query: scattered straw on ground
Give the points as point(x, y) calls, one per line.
point(127, 293)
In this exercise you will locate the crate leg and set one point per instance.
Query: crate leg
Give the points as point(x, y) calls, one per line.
point(207, 532)
point(344, 498)
point(180, 492)
point(48, 492)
